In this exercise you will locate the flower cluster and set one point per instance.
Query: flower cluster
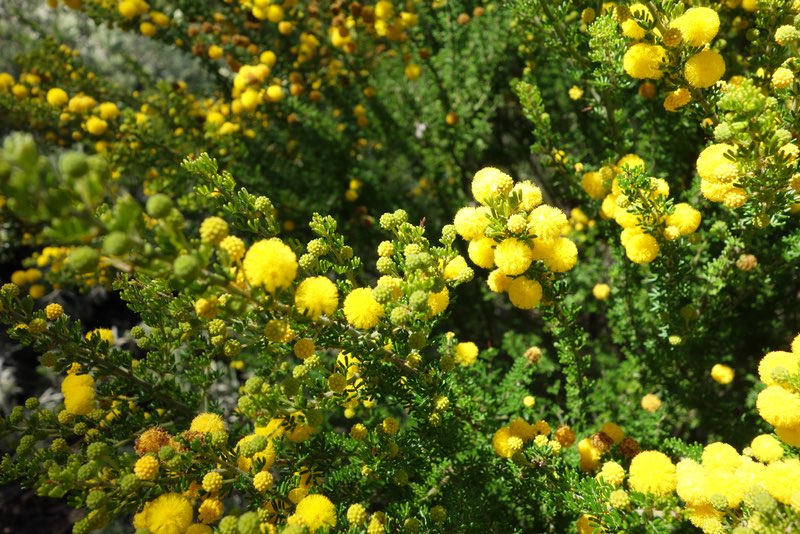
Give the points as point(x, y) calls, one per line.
point(517, 236)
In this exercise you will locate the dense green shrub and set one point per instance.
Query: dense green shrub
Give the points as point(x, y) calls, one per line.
point(343, 315)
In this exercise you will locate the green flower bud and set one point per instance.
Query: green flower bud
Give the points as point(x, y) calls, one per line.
point(25, 444)
point(116, 244)
point(87, 471)
point(97, 450)
point(83, 259)
point(158, 206)
point(417, 340)
point(448, 234)
point(418, 300)
point(400, 316)
point(385, 265)
point(253, 384)
point(186, 267)
point(95, 499)
point(20, 148)
point(31, 403)
point(248, 523)
point(166, 453)
point(229, 525)
point(73, 164)
point(411, 525)
point(49, 359)
point(232, 348)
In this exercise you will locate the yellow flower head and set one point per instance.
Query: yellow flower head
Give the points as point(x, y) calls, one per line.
point(489, 183)
point(270, 263)
point(697, 26)
point(317, 512)
point(524, 293)
point(644, 60)
point(317, 296)
point(471, 222)
point(512, 256)
point(779, 407)
point(652, 472)
point(170, 513)
point(642, 248)
point(466, 353)
point(722, 374)
point(788, 361)
point(78, 391)
point(361, 309)
point(207, 423)
point(704, 69)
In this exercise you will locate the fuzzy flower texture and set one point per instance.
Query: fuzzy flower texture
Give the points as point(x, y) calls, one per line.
point(527, 232)
point(640, 246)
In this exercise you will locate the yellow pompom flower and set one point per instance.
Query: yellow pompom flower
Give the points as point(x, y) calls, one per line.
point(650, 402)
point(713, 166)
point(53, 311)
point(78, 391)
point(766, 448)
point(611, 473)
point(212, 482)
point(524, 293)
point(413, 71)
point(644, 60)
point(530, 194)
point(719, 456)
point(779, 407)
point(497, 281)
point(594, 185)
point(213, 230)
point(233, 246)
point(677, 99)
point(685, 218)
point(642, 248)
point(481, 252)
point(438, 302)
point(210, 510)
point(777, 360)
point(57, 97)
point(105, 334)
point(361, 309)
point(170, 513)
point(698, 26)
point(782, 479)
point(704, 69)
point(601, 291)
point(588, 455)
point(457, 269)
point(471, 222)
point(722, 374)
point(262, 481)
point(146, 468)
point(270, 263)
point(207, 423)
point(490, 182)
point(652, 472)
point(630, 28)
point(563, 255)
point(512, 256)
point(466, 353)
point(96, 126)
point(547, 222)
point(781, 78)
point(789, 435)
point(317, 296)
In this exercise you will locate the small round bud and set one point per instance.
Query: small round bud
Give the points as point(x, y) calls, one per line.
point(158, 206)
